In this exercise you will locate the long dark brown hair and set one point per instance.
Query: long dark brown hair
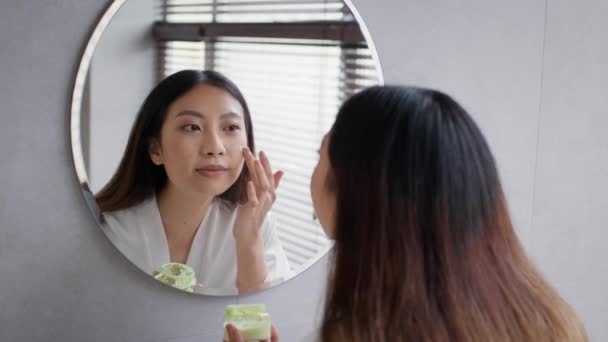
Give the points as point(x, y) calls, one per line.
point(137, 177)
point(425, 249)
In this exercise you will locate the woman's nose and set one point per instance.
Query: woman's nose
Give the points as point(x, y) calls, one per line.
point(213, 145)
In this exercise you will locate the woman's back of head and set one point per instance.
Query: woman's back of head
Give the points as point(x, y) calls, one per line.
point(425, 249)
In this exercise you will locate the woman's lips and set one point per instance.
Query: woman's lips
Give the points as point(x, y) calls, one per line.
point(212, 170)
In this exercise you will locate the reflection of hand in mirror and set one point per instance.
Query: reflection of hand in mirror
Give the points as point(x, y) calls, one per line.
point(261, 194)
point(182, 193)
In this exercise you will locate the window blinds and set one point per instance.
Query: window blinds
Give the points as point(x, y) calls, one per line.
point(174, 56)
point(179, 11)
point(293, 87)
point(293, 92)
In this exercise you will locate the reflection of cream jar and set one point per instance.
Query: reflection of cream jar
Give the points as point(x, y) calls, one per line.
point(178, 275)
point(252, 320)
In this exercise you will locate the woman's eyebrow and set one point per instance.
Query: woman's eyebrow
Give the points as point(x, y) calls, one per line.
point(228, 115)
point(190, 113)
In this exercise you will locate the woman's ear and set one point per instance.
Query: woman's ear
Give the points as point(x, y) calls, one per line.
point(155, 152)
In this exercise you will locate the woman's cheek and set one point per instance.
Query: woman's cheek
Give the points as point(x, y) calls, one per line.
point(236, 148)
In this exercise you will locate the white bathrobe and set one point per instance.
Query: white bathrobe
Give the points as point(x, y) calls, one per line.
point(139, 234)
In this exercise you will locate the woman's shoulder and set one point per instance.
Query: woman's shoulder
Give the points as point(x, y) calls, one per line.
point(129, 217)
point(135, 232)
point(132, 210)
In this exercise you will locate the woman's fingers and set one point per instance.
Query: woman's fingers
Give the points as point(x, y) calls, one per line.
point(267, 169)
point(277, 179)
point(263, 183)
point(250, 162)
point(233, 333)
point(252, 197)
point(261, 175)
point(256, 171)
point(274, 334)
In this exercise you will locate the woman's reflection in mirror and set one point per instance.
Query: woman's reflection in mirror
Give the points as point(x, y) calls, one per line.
point(190, 188)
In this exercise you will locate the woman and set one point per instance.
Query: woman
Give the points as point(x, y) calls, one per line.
point(425, 250)
point(181, 193)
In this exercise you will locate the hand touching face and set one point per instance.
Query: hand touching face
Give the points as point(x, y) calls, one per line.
point(261, 194)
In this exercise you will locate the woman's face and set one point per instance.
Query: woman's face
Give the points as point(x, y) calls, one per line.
point(323, 199)
point(201, 141)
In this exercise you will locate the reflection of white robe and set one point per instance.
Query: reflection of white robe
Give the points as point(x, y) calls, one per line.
point(139, 234)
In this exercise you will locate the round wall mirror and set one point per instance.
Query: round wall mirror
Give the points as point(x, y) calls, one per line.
point(167, 94)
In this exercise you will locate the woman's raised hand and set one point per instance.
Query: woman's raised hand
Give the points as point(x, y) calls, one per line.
point(261, 194)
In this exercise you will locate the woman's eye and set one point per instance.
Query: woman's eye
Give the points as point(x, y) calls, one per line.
point(192, 128)
point(232, 128)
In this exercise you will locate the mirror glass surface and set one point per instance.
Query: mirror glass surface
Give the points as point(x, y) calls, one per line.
point(294, 62)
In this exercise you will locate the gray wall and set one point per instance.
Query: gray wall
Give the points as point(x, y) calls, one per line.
point(570, 213)
point(122, 73)
point(529, 71)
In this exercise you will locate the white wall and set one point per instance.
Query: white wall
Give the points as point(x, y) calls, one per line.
point(537, 95)
point(122, 73)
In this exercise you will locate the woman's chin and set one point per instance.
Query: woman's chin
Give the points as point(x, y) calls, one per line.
point(207, 189)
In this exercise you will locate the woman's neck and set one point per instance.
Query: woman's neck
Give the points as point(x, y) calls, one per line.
point(181, 214)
